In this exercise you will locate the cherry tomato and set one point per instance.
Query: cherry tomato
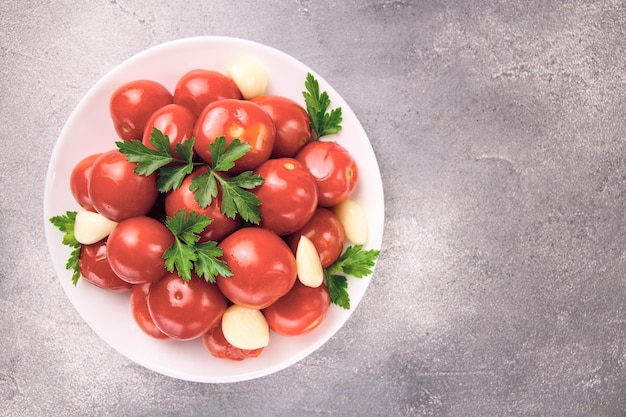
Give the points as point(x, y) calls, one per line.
point(94, 266)
point(327, 234)
point(239, 119)
point(116, 191)
point(334, 169)
point(215, 342)
point(288, 196)
point(264, 269)
point(293, 126)
point(79, 181)
point(141, 314)
point(135, 248)
point(185, 310)
point(173, 120)
point(132, 104)
point(299, 311)
point(183, 198)
point(199, 87)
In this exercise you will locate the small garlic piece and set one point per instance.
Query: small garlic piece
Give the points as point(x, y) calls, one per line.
point(245, 328)
point(310, 271)
point(91, 227)
point(354, 221)
point(249, 76)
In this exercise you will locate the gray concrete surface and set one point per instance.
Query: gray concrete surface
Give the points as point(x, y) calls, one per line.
point(500, 130)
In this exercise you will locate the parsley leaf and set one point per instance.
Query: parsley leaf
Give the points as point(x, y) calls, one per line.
point(208, 265)
point(173, 168)
point(235, 195)
point(322, 122)
point(356, 262)
point(187, 254)
point(66, 225)
point(338, 289)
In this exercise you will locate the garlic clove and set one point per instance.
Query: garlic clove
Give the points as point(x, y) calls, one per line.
point(91, 227)
point(310, 271)
point(245, 328)
point(354, 221)
point(249, 75)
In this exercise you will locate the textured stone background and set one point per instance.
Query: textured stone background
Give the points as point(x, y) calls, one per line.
point(500, 131)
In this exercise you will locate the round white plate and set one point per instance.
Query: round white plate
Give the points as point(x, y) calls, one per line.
point(90, 130)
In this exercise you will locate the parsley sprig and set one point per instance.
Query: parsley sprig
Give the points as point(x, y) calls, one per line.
point(323, 122)
point(65, 223)
point(188, 254)
point(173, 167)
point(354, 261)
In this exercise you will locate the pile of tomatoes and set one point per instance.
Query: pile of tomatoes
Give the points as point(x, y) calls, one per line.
point(304, 178)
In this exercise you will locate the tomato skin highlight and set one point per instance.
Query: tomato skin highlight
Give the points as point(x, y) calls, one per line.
point(215, 342)
point(236, 119)
point(327, 234)
point(184, 198)
point(264, 269)
point(300, 311)
point(94, 266)
point(141, 314)
point(333, 168)
point(173, 120)
point(136, 246)
point(288, 196)
point(116, 191)
point(132, 104)
point(185, 310)
point(79, 181)
point(293, 126)
point(200, 87)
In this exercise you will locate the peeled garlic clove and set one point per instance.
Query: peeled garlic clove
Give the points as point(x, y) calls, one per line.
point(354, 221)
point(250, 77)
point(91, 227)
point(245, 328)
point(310, 271)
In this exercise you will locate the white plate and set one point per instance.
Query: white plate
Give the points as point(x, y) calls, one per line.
point(90, 130)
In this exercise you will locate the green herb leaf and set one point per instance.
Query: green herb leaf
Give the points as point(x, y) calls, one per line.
point(235, 195)
point(180, 256)
point(354, 261)
point(187, 254)
point(236, 198)
point(172, 169)
point(65, 224)
point(204, 187)
point(338, 289)
point(322, 121)
point(223, 157)
point(208, 264)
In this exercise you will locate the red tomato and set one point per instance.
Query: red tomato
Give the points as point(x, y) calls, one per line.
point(334, 169)
point(293, 126)
point(116, 191)
point(183, 198)
point(288, 195)
point(173, 120)
point(232, 119)
point(136, 246)
point(140, 313)
point(299, 311)
point(94, 266)
point(327, 234)
point(79, 181)
point(132, 104)
point(199, 87)
point(185, 310)
point(264, 269)
point(215, 342)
